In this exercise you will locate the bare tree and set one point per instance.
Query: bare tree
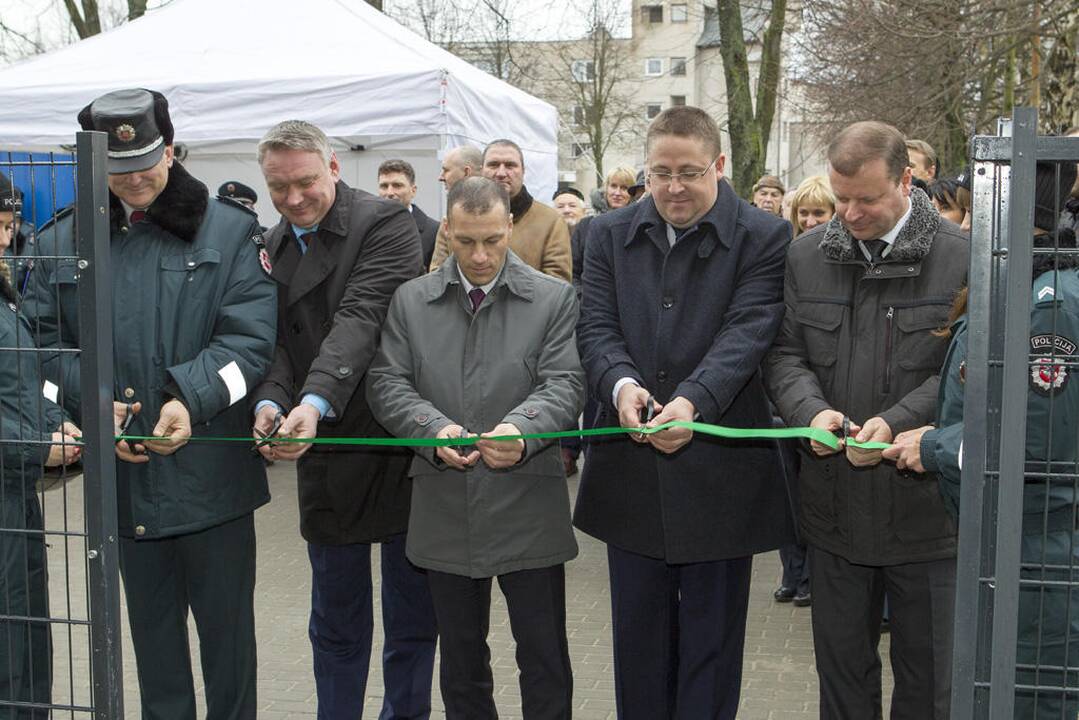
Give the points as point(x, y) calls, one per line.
point(590, 78)
point(750, 126)
point(939, 70)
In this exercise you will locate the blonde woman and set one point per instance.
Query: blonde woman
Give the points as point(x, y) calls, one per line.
point(813, 204)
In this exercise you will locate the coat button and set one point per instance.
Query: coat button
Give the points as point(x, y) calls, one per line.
point(344, 371)
point(531, 412)
point(140, 530)
point(422, 419)
point(661, 376)
point(297, 328)
point(668, 302)
point(129, 393)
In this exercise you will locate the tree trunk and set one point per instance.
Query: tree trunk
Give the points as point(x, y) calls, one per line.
point(749, 130)
point(135, 9)
point(88, 21)
point(376, 4)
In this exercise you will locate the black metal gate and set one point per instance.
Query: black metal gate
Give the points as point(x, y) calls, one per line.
point(995, 568)
point(60, 653)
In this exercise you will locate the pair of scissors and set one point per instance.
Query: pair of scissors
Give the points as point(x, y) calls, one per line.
point(647, 413)
point(843, 433)
point(129, 417)
point(464, 450)
point(267, 438)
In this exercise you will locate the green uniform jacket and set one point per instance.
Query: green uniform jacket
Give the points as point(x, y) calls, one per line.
point(1052, 405)
point(194, 316)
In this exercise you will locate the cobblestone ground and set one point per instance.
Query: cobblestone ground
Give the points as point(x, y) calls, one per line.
point(779, 681)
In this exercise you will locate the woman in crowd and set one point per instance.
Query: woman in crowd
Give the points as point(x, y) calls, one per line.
point(28, 422)
point(1048, 622)
point(813, 204)
point(951, 199)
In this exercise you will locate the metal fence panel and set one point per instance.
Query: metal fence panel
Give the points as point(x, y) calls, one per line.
point(59, 587)
point(1017, 565)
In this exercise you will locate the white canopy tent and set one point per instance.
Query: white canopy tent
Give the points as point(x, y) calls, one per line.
point(233, 68)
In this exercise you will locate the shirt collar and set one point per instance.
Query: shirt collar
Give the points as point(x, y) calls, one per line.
point(469, 287)
point(889, 237)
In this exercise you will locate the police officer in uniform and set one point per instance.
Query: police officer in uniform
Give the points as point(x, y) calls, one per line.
point(1048, 617)
point(195, 318)
point(25, 416)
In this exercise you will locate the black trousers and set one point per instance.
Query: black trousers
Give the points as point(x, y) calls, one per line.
point(536, 600)
point(847, 603)
point(679, 633)
point(212, 573)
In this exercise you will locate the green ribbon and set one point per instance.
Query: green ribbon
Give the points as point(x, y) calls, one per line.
point(823, 437)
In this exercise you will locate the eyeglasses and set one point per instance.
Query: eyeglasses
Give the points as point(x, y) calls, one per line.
point(684, 178)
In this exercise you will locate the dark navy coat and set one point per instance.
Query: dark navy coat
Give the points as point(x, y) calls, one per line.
point(692, 321)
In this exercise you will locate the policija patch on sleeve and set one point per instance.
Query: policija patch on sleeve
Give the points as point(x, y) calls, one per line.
point(264, 255)
point(1048, 374)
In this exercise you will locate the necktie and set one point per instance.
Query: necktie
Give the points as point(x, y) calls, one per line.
point(876, 249)
point(476, 295)
point(137, 216)
point(305, 241)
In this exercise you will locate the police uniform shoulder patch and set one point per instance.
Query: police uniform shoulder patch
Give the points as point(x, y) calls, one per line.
point(264, 255)
point(1049, 372)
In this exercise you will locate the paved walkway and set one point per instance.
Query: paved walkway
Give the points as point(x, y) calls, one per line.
point(779, 682)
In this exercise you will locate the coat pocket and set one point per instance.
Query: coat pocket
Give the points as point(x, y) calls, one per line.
point(918, 513)
point(820, 330)
point(916, 347)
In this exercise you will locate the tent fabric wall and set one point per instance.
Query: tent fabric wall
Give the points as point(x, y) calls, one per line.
point(232, 69)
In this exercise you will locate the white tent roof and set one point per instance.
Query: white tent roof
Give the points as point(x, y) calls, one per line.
point(233, 68)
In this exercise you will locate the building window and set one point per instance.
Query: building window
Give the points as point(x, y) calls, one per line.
point(678, 66)
point(579, 149)
point(679, 13)
point(583, 70)
point(651, 110)
point(580, 117)
point(651, 14)
point(653, 67)
point(678, 100)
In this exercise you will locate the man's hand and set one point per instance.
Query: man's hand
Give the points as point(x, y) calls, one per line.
point(631, 400)
point(64, 451)
point(672, 440)
point(174, 423)
point(302, 422)
point(126, 451)
point(449, 455)
point(831, 421)
point(874, 430)
point(264, 420)
point(499, 454)
point(906, 450)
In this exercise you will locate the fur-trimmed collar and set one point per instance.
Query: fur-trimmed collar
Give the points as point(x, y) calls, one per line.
point(912, 244)
point(179, 208)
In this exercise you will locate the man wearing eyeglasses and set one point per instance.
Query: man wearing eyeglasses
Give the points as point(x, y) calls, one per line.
point(683, 295)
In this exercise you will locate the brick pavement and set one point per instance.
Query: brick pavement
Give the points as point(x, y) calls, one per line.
point(779, 679)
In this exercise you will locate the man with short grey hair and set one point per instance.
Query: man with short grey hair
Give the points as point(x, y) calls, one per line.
point(487, 343)
point(338, 254)
point(540, 237)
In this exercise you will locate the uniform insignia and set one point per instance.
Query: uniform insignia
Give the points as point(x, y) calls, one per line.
point(963, 372)
point(1047, 377)
point(12, 306)
point(1046, 291)
point(125, 133)
point(1052, 344)
point(264, 256)
point(231, 187)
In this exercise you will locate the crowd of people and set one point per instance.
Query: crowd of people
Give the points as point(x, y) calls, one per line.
point(839, 305)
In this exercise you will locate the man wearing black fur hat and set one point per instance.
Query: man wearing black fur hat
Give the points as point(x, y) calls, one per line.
point(856, 354)
point(195, 318)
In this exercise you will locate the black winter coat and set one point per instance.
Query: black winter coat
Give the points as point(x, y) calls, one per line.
point(692, 321)
point(858, 338)
point(332, 302)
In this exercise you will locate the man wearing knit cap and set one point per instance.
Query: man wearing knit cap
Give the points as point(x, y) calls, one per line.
point(768, 194)
point(194, 318)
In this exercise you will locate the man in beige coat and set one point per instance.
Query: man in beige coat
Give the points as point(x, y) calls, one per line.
point(540, 237)
point(486, 344)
